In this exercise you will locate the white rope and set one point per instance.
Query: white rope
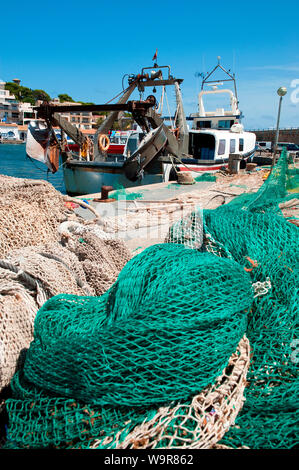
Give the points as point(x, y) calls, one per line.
point(160, 107)
point(172, 125)
point(261, 288)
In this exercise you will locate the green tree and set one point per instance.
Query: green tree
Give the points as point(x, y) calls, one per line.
point(83, 102)
point(41, 95)
point(14, 89)
point(65, 97)
point(25, 94)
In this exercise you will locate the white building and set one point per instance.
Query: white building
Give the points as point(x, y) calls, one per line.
point(9, 106)
point(9, 131)
point(26, 113)
point(12, 110)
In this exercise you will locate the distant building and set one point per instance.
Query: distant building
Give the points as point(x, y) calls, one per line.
point(22, 130)
point(84, 120)
point(89, 133)
point(13, 111)
point(9, 131)
point(9, 106)
point(26, 113)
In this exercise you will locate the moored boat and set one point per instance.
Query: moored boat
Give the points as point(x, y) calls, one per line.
point(214, 135)
point(152, 152)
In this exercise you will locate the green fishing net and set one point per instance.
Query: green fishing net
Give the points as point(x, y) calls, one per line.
point(99, 366)
point(162, 333)
point(206, 177)
point(120, 193)
point(257, 236)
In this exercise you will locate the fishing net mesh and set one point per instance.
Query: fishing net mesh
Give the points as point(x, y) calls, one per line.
point(256, 235)
point(38, 262)
point(29, 276)
point(30, 211)
point(132, 344)
point(143, 365)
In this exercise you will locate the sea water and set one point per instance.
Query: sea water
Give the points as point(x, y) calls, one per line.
point(14, 162)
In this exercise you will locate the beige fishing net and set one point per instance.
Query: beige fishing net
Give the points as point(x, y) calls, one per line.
point(101, 259)
point(18, 308)
point(39, 259)
point(30, 211)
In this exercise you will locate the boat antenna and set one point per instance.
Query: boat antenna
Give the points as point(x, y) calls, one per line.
point(227, 72)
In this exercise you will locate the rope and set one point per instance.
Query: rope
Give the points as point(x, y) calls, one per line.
point(172, 125)
point(22, 275)
point(262, 288)
point(160, 107)
point(78, 280)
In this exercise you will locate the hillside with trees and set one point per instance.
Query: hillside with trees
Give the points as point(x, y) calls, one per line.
point(27, 95)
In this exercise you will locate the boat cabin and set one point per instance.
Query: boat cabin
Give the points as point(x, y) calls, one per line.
point(218, 119)
point(218, 144)
point(216, 134)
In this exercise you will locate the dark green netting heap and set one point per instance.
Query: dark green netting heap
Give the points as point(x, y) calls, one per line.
point(162, 333)
point(252, 227)
point(99, 366)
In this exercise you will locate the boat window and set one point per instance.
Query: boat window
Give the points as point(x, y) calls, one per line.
point(123, 140)
point(224, 124)
point(241, 145)
point(202, 146)
point(221, 149)
point(204, 124)
point(232, 146)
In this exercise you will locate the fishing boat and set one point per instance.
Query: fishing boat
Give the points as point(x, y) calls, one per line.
point(216, 134)
point(153, 151)
point(117, 141)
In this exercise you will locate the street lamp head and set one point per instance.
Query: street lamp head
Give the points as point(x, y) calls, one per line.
point(282, 91)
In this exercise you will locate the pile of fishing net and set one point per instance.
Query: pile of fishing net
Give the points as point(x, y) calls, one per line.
point(31, 275)
point(39, 260)
point(100, 366)
point(120, 193)
point(256, 235)
point(101, 255)
point(30, 211)
point(160, 359)
point(206, 177)
point(28, 277)
point(252, 231)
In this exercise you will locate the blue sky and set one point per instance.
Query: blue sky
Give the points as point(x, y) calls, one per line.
point(84, 49)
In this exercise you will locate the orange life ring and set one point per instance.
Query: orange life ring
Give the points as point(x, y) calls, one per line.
point(103, 142)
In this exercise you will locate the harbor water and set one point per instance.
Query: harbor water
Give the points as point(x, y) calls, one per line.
point(14, 162)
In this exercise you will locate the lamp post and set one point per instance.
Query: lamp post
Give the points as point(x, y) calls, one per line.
point(281, 92)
